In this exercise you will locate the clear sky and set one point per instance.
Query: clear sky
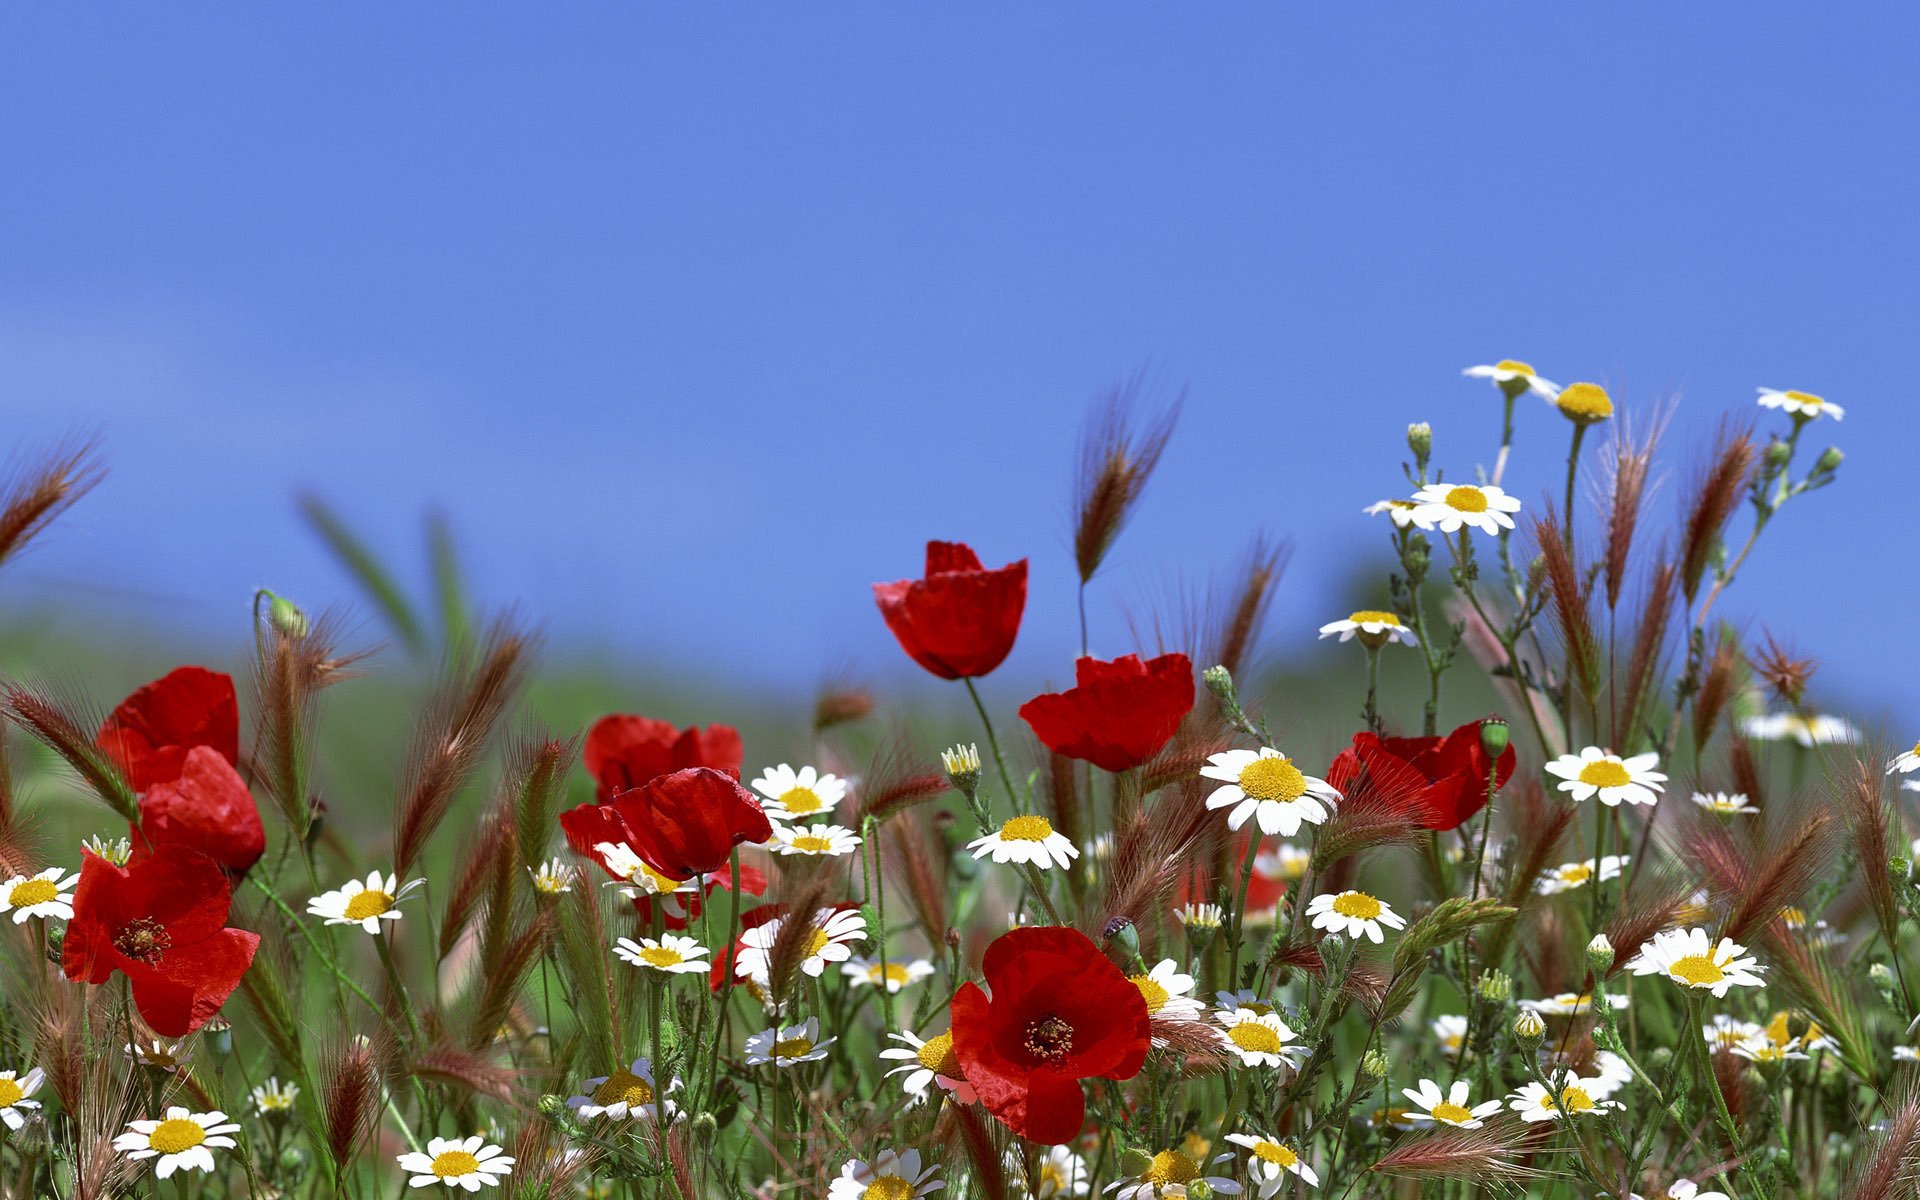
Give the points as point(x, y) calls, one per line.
point(698, 321)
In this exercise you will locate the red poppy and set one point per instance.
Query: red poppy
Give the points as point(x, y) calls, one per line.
point(624, 751)
point(161, 920)
point(1118, 714)
point(1442, 780)
point(682, 824)
point(1060, 1012)
point(959, 621)
point(153, 730)
point(208, 809)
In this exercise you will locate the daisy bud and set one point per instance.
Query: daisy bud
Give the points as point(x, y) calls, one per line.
point(962, 764)
point(1494, 736)
point(1135, 1162)
point(1528, 1029)
point(1599, 953)
point(293, 1166)
point(1584, 403)
point(704, 1127)
point(1829, 460)
point(1495, 986)
point(1199, 1189)
point(1219, 681)
point(1420, 441)
point(286, 616)
point(116, 852)
point(1778, 454)
point(1375, 1064)
point(1901, 866)
point(551, 1106)
point(1882, 977)
point(1660, 1056)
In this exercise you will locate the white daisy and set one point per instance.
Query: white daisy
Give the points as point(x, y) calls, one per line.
point(273, 1098)
point(641, 879)
point(1691, 959)
point(1764, 1049)
point(1226, 1004)
point(1572, 1004)
point(161, 1056)
point(1199, 916)
point(821, 840)
point(895, 973)
point(1575, 1099)
point(1905, 764)
point(1686, 1189)
point(928, 1063)
point(1269, 1161)
point(1169, 1174)
point(1168, 992)
point(1403, 512)
point(1260, 1039)
point(1800, 404)
point(1610, 1074)
point(115, 850)
point(1265, 784)
point(795, 794)
point(834, 932)
point(1487, 509)
point(1284, 861)
point(890, 1176)
point(364, 904)
point(553, 877)
point(1451, 1107)
point(632, 1093)
point(1594, 772)
point(42, 895)
point(1451, 1032)
point(1808, 729)
point(1906, 1054)
point(1513, 377)
point(182, 1141)
point(670, 953)
point(468, 1164)
point(1027, 839)
point(1727, 804)
point(787, 1047)
point(15, 1089)
point(1568, 876)
point(1355, 914)
point(1056, 1172)
point(1727, 1032)
point(1374, 627)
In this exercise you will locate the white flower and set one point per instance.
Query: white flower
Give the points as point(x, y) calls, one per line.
point(803, 793)
point(465, 1164)
point(929, 1062)
point(1691, 959)
point(1269, 1160)
point(1800, 404)
point(1727, 1032)
point(553, 877)
point(1199, 916)
point(1284, 861)
point(15, 1089)
point(115, 850)
point(1567, 876)
point(1374, 628)
point(274, 1098)
point(789, 1046)
point(1905, 764)
point(1259, 1038)
point(1571, 1004)
point(834, 931)
point(1906, 1054)
point(670, 953)
point(1402, 511)
point(1594, 772)
point(1451, 1032)
point(821, 839)
point(157, 1054)
point(1509, 371)
point(1764, 1049)
point(363, 904)
point(183, 1141)
point(1686, 1189)
point(1487, 509)
point(1727, 804)
point(1228, 1003)
point(1027, 839)
point(642, 880)
point(1265, 784)
point(1168, 1175)
point(42, 895)
point(623, 1095)
point(1057, 1172)
point(1450, 1108)
point(1168, 992)
point(1808, 729)
point(1611, 1073)
point(895, 973)
point(890, 1176)
point(1355, 914)
point(1575, 1098)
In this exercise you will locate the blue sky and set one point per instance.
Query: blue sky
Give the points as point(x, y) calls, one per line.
point(697, 323)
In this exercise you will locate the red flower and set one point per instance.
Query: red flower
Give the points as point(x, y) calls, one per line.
point(1060, 1013)
point(683, 824)
point(960, 620)
point(161, 920)
point(208, 809)
point(153, 730)
point(1442, 780)
point(624, 751)
point(1118, 714)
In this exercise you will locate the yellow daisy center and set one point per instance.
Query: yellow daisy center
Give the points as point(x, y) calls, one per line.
point(888, 1187)
point(813, 845)
point(1452, 1113)
point(1466, 499)
point(816, 942)
point(1585, 402)
point(1575, 873)
point(1373, 616)
point(1356, 904)
point(661, 956)
point(1275, 1153)
point(10, 1093)
point(454, 1164)
point(1273, 778)
point(1513, 364)
point(1026, 829)
point(655, 880)
point(801, 801)
point(792, 1048)
point(1171, 1166)
point(1255, 1038)
point(1796, 918)
point(1573, 1099)
point(171, 1137)
point(31, 892)
point(1697, 970)
point(367, 904)
point(624, 1087)
point(1806, 398)
point(892, 973)
point(1605, 774)
point(1151, 992)
point(937, 1055)
point(1916, 748)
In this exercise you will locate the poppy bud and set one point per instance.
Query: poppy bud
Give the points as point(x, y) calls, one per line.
point(1494, 736)
point(953, 938)
point(1420, 441)
point(286, 616)
point(1123, 942)
point(1599, 953)
point(1495, 986)
point(1528, 1029)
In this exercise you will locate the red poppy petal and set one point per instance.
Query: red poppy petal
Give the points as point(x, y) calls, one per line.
point(208, 809)
point(151, 732)
point(189, 984)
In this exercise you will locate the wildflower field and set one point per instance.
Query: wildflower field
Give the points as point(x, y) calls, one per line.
point(1640, 930)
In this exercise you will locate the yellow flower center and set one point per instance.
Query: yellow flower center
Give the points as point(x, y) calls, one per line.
point(893, 974)
point(813, 845)
point(1697, 970)
point(1585, 402)
point(1026, 829)
point(1466, 499)
point(1575, 873)
point(816, 942)
point(937, 1056)
point(171, 1137)
point(655, 881)
point(661, 956)
point(792, 1048)
point(1255, 1038)
point(1807, 398)
point(1273, 778)
point(1171, 1166)
point(802, 801)
point(1356, 904)
point(624, 1087)
point(888, 1187)
point(1373, 616)
point(368, 904)
point(1605, 774)
point(33, 891)
point(1151, 992)
point(1275, 1153)
point(1573, 1099)
point(1513, 364)
point(1796, 918)
point(1916, 748)
point(1452, 1113)
point(10, 1093)
point(454, 1164)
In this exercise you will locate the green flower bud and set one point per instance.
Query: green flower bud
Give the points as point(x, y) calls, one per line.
point(1122, 941)
point(1528, 1030)
point(1420, 441)
point(1599, 954)
point(1495, 986)
point(1219, 681)
point(962, 764)
point(1494, 736)
point(1199, 1189)
point(1135, 1162)
point(1829, 460)
point(551, 1106)
point(286, 616)
point(1375, 1064)
point(704, 1127)
point(1778, 454)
